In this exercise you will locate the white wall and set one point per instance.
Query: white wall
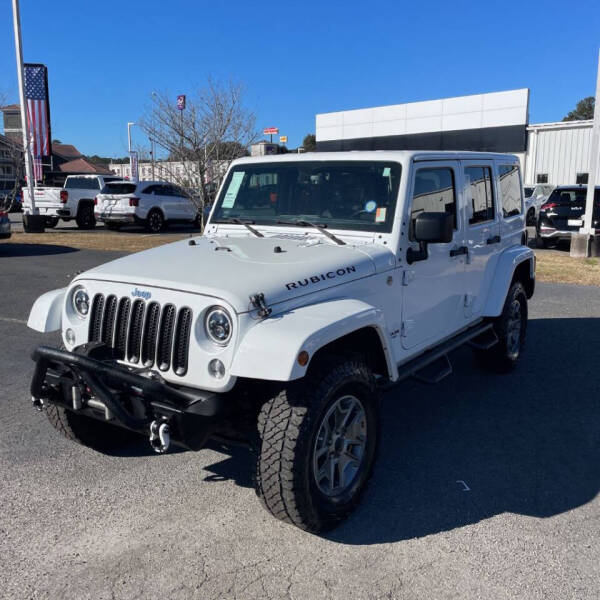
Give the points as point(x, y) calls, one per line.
point(479, 111)
point(561, 150)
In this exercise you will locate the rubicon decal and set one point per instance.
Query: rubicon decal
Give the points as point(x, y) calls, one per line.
point(294, 285)
point(141, 294)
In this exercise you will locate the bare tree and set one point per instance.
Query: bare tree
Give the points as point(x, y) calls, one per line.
point(214, 128)
point(12, 153)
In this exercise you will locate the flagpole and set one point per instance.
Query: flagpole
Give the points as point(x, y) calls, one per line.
point(24, 121)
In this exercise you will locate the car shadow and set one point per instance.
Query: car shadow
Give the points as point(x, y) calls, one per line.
point(25, 250)
point(480, 444)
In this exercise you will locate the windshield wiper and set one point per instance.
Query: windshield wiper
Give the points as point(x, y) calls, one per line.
point(320, 227)
point(245, 223)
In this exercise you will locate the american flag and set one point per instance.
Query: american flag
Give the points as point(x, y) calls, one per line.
point(36, 95)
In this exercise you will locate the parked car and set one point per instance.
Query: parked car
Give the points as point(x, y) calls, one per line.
point(535, 196)
point(152, 204)
point(562, 214)
point(75, 200)
point(4, 225)
point(322, 279)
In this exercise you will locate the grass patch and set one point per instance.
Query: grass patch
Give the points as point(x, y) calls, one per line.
point(558, 267)
point(118, 241)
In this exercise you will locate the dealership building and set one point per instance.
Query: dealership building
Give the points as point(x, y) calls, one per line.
point(555, 153)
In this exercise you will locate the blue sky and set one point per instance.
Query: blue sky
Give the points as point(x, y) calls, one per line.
point(296, 58)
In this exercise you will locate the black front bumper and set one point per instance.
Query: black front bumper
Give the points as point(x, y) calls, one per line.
point(90, 382)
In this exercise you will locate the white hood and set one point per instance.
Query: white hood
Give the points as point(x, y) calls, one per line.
point(234, 268)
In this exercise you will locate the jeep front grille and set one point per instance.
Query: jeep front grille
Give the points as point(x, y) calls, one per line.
point(143, 333)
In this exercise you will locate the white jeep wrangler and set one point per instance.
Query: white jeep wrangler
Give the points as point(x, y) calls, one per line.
point(320, 279)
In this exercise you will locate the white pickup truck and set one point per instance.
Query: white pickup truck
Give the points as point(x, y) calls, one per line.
point(75, 200)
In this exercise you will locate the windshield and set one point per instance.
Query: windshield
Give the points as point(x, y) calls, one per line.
point(356, 195)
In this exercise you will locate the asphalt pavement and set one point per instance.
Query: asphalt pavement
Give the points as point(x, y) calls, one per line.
point(486, 485)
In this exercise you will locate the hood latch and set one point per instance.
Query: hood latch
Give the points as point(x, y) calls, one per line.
point(258, 301)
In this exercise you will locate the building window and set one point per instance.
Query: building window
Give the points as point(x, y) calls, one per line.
point(582, 178)
point(542, 178)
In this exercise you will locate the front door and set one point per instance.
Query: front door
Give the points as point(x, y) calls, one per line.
point(433, 305)
point(482, 233)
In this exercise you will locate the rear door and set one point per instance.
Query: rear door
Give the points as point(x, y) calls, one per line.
point(114, 198)
point(482, 232)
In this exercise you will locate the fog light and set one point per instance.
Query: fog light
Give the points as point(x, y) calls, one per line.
point(216, 368)
point(70, 337)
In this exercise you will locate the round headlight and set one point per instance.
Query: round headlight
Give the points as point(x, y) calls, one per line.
point(218, 325)
point(81, 302)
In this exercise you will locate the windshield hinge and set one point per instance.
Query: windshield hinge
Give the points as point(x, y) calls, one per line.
point(258, 301)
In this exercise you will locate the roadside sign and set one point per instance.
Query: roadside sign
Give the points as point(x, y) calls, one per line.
point(133, 159)
point(181, 101)
point(271, 130)
point(283, 139)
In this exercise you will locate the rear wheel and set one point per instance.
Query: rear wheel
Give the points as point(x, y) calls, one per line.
point(155, 222)
point(511, 329)
point(51, 222)
point(85, 216)
point(318, 440)
point(530, 217)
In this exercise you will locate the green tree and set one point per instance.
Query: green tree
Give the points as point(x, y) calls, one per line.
point(309, 143)
point(583, 110)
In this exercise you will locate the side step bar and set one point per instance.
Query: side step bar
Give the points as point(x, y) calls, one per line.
point(480, 336)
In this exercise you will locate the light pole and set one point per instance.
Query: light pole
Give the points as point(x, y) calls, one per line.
point(154, 95)
point(24, 121)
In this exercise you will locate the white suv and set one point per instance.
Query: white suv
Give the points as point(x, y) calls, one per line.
point(321, 279)
point(153, 204)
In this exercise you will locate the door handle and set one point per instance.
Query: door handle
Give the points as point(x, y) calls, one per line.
point(493, 240)
point(458, 251)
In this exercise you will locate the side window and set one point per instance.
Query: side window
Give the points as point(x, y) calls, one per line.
point(510, 190)
point(480, 195)
point(434, 192)
point(150, 189)
point(94, 184)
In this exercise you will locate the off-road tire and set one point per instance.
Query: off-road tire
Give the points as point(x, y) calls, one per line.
point(499, 358)
point(85, 216)
point(155, 221)
point(86, 431)
point(288, 424)
point(51, 222)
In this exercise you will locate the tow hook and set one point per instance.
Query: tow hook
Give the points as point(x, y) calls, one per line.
point(38, 403)
point(160, 436)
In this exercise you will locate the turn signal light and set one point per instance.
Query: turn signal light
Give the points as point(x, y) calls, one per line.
point(134, 201)
point(64, 196)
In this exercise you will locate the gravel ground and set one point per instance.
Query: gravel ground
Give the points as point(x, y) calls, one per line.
point(486, 486)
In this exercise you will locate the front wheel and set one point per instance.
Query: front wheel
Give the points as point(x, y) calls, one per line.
point(511, 328)
point(87, 431)
point(318, 440)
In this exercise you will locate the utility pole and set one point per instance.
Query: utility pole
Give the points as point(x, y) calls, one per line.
point(24, 120)
point(586, 242)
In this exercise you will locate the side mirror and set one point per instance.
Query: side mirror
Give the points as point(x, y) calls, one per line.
point(430, 228)
point(434, 228)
